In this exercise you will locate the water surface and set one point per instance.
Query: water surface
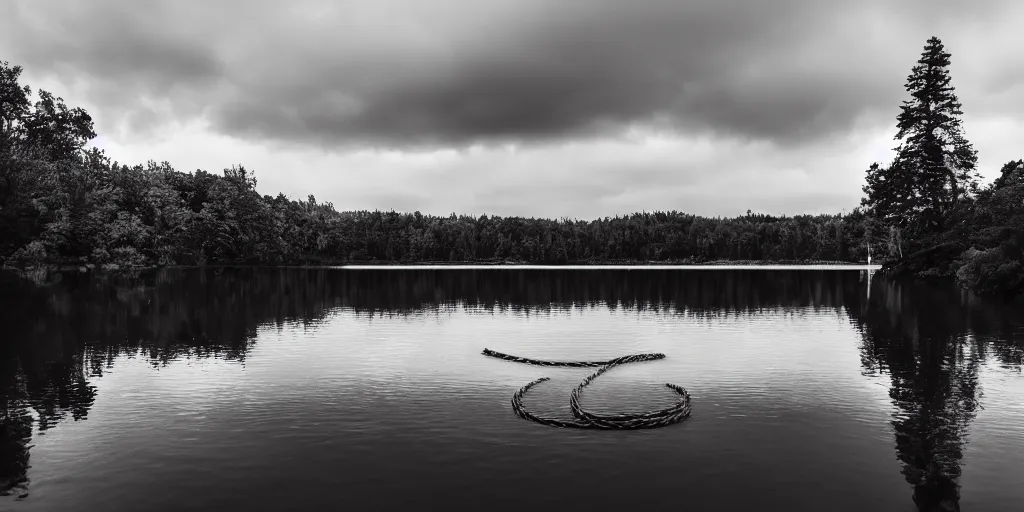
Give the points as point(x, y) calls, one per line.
point(256, 389)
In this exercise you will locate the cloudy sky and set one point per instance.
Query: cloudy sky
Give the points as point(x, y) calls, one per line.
point(579, 108)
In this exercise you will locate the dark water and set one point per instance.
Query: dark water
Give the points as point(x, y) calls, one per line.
point(245, 389)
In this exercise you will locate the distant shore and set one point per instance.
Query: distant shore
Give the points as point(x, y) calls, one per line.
point(640, 266)
point(609, 263)
point(511, 264)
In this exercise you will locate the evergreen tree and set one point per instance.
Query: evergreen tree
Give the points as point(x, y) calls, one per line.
point(935, 166)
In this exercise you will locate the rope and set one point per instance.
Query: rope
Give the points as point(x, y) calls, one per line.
point(585, 419)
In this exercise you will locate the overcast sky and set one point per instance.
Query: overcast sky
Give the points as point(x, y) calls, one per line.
point(579, 108)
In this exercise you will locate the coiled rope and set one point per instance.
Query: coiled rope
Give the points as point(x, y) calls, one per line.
point(585, 419)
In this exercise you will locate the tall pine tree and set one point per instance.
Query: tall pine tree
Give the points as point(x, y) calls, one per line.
point(935, 166)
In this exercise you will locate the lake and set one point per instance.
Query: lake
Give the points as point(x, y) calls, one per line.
point(316, 389)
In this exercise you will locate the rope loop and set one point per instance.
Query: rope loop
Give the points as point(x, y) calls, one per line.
point(586, 419)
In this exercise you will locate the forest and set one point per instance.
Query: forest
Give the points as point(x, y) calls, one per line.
point(64, 204)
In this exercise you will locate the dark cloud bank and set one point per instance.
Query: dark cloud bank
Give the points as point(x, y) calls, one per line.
point(454, 72)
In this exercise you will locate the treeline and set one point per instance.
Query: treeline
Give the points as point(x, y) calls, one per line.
point(100, 212)
point(63, 205)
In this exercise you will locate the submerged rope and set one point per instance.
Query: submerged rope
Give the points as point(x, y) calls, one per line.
point(585, 419)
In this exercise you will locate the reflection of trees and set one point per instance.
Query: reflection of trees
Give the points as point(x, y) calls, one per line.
point(15, 430)
point(402, 291)
point(63, 329)
point(930, 341)
point(53, 390)
point(16, 303)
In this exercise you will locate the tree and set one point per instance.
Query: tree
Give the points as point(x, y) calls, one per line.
point(1012, 173)
point(935, 167)
point(40, 155)
point(889, 194)
point(17, 216)
point(48, 129)
point(14, 105)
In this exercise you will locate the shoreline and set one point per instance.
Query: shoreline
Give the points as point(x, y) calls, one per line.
point(621, 266)
point(471, 265)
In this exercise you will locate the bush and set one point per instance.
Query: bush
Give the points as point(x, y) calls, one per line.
point(99, 256)
point(990, 271)
point(127, 257)
point(34, 253)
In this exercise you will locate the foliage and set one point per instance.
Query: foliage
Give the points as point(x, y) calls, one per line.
point(935, 166)
point(1012, 173)
point(941, 223)
point(990, 271)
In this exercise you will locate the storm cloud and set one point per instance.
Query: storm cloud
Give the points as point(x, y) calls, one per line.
point(450, 73)
point(783, 103)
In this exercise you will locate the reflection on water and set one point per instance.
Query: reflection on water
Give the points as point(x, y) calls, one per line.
point(61, 332)
point(931, 341)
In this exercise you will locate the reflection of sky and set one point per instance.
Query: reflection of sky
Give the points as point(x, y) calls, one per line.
point(995, 443)
point(717, 350)
point(779, 401)
point(786, 361)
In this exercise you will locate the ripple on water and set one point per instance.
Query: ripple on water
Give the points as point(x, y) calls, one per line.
point(396, 408)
